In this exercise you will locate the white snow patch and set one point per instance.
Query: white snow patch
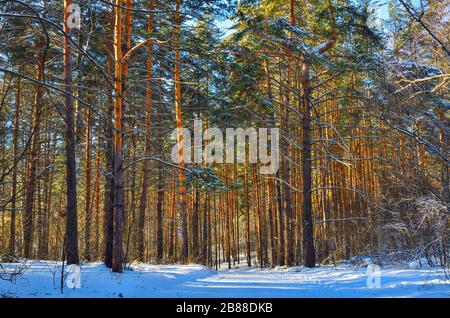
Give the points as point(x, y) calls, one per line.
point(190, 281)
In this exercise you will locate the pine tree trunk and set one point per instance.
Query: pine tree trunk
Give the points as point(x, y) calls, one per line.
point(108, 222)
point(206, 243)
point(195, 225)
point(281, 211)
point(308, 239)
point(97, 197)
point(27, 216)
point(43, 203)
point(247, 213)
point(12, 230)
point(258, 221)
point(117, 255)
point(146, 168)
point(71, 181)
point(179, 120)
point(159, 216)
point(88, 208)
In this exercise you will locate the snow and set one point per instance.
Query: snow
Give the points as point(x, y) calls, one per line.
point(42, 279)
point(413, 265)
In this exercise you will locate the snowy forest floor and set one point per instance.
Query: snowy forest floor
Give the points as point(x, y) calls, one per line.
point(42, 279)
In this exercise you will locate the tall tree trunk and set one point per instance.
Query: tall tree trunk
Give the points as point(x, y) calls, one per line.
point(71, 181)
point(206, 230)
point(308, 233)
point(12, 230)
point(284, 152)
point(288, 220)
point(273, 249)
point(247, 214)
point(44, 208)
point(159, 216)
point(127, 212)
point(88, 208)
point(173, 228)
point(258, 223)
point(308, 239)
point(118, 142)
point(27, 216)
point(195, 224)
point(179, 122)
point(108, 204)
point(97, 197)
point(108, 222)
point(147, 147)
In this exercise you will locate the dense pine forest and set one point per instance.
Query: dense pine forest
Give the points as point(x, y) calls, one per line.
point(94, 96)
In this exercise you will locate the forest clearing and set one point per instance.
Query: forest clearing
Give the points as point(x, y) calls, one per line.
point(42, 280)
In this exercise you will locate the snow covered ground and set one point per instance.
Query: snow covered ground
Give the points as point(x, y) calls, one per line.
point(42, 279)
